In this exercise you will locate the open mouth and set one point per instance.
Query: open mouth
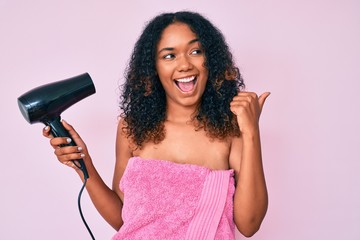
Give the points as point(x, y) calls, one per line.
point(186, 84)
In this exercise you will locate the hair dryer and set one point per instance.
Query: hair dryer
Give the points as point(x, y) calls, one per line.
point(45, 104)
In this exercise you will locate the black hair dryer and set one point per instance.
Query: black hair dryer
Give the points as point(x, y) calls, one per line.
point(45, 104)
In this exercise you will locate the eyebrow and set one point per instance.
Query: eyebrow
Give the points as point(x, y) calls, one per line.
point(171, 49)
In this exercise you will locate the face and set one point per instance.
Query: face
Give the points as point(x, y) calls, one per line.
point(180, 65)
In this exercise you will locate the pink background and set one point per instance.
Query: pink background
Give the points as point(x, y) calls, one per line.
point(306, 53)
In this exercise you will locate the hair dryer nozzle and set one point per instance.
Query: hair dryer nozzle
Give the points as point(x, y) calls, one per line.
point(48, 101)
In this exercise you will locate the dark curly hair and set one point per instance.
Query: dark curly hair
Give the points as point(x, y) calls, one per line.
point(143, 100)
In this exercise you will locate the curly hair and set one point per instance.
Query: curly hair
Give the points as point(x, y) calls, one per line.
point(143, 100)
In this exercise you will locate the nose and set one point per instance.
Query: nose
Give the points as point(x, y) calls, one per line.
point(184, 64)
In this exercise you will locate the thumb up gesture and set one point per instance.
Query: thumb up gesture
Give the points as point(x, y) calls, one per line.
point(247, 107)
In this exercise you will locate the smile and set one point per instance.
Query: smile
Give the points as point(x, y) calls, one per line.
point(186, 84)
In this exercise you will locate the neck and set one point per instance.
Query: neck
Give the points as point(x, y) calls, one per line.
point(180, 114)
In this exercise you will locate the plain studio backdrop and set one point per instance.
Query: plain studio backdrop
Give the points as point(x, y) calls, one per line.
point(306, 53)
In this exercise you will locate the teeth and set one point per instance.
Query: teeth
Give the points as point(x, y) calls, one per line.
point(187, 79)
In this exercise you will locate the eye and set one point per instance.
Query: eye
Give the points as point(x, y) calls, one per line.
point(196, 52)
point(168, 56)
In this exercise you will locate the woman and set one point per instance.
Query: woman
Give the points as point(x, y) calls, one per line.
point(188, 154)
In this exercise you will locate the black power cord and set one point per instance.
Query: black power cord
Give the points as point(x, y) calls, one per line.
point(81, 214)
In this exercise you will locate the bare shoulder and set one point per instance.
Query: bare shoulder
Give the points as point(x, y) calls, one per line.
point(122, 140)
point(123, 153)
point(235, 154)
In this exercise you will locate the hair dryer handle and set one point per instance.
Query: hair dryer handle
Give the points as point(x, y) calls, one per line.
point(58, 130)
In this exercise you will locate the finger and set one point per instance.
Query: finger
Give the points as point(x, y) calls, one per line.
point(58, 141)
point(46, 132)
point(247, 94)
point(75, 136)
point(240, 104)
point(69, 127)
point(70, 157)
point(240, 108)
point(262, 99)
point(71, 164)
point(68, 150)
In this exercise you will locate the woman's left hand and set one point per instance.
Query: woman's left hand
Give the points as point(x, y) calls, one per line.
point(247, 106)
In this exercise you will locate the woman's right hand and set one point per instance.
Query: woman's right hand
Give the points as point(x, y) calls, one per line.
point(67, 154)
point(106, 200)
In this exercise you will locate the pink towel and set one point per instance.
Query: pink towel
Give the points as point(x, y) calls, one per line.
point(166, 200)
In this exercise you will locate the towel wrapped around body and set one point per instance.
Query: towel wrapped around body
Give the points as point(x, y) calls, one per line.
point(166, 200)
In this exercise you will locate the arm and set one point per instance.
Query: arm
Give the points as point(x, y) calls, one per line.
point(107, 201)
point(251, 199)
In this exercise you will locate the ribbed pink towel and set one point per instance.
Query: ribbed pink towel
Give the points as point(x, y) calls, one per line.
point(166, 200)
